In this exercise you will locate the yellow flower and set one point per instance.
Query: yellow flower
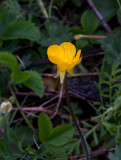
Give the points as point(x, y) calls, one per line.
point(65, 57)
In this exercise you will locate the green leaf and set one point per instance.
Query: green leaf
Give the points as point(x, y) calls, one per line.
point(112, 48)
point(55, 33)
point(117, 154)
point(48, 151)
point(41, 152)
point(76, 30)
point(95, 138)
point(35, 83)
point(29, 78)
point(5, 18)
point(5, 150)
point(7, 59)
point(108, 8)
point(61, 135)
point(21, 29)
point(13, 6)
point(45, 127)
point(24, 135)
point(73, 146)
point(21, 77)
point(89, 22)
point(58, 152)
point(81, 43)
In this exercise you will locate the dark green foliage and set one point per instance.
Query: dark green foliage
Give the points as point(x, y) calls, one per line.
point(30, 78)
point(117, 154)
point(25, 35)
point(45, 127)
point(89, 22)
point(54, 33)
point(112, 47)
point(58, 136)
point(10, 28)
point(108, 8)
point(21, 29)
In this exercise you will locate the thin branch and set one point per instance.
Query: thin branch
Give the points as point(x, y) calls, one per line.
point(93, 154)
point(58, 103)
point(83, 141)
point(75, 75)
point(38, 109)
point(78, 36)
point(99, 15)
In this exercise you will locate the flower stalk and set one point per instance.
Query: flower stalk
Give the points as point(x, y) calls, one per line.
point(84, 145)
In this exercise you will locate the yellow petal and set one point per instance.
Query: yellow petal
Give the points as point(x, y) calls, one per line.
point(69, 48)
point(77, 59)
point(55, 53)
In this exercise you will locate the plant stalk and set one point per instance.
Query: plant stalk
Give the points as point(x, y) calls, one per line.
point(84, 145)
point(40, 3)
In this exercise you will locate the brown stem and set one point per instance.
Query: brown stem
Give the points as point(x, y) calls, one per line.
point(75, 120)
point(98, 14)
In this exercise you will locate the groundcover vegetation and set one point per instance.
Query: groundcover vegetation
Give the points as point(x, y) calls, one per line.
point(36, 122)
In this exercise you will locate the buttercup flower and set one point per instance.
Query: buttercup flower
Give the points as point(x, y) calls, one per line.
point(5, 107)
point(65, 57)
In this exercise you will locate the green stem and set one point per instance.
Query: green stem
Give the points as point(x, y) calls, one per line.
point(50, 8)
point(119, 4)
point(92, 130)
point(40, 3)
point(22, 113)
point(87, 155)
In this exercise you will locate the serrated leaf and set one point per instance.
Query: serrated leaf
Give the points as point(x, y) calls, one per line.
point(24, 135)
point(58, 152)
point(47, 150)
point(7, 59)
point(89, 22)
point(13, 6)
point(112, 48)
point(20, 77)
point(61, 135)
point(35, 82)
point(45, 127)
point(21, 29)
point(54, 33)
point(29, 78)
point(5, 18)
